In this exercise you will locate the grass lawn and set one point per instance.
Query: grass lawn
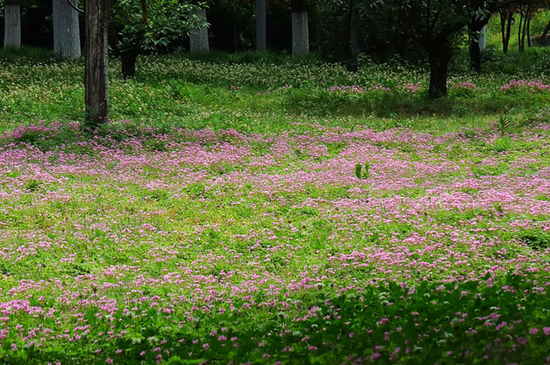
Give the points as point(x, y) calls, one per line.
point(274, 214)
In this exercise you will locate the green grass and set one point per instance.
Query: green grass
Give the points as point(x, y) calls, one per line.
point(261, 92)
point(224, 216)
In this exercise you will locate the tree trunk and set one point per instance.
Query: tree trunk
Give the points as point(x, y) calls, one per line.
point(12, 24)
point(261, 19)
point(353, 36)
point(502, 31)
point(66, 31)
point(506, 19)
point(198, 39)
point(528, 35)
point(96, 65)
point(128, 60)
point(475, 27)
point(521, 33)
point(475, 53)
point(544, 34)
point(483, 38)
point(300, 28)
point(439, 54)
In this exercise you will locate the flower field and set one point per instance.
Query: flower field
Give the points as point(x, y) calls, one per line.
point(325, 247)
point(257, 213)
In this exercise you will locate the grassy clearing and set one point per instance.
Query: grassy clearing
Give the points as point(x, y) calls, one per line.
point(225, 224)
point(267, 94)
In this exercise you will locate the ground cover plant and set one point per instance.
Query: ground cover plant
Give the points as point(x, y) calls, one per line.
point(224, 235)
point(266, 94)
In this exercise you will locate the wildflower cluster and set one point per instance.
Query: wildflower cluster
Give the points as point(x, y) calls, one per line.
point(193, 245)
point(532, 86)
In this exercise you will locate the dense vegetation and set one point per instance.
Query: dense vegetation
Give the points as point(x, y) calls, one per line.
point(261, 209)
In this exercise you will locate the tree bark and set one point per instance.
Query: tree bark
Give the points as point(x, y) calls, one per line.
point(475, 54)
point(128, 60)
point(96, 65)
point(66, 31)
point(12, 24)
point(439, 54)
point(198, 39)
point(300, 28)
point(475, 27)
point(261, 26)
point(353, 36)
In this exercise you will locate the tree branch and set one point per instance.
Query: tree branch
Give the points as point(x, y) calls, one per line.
point(73, 5)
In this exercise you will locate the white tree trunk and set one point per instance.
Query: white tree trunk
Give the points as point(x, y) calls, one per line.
point(66, 31)
point(483, 38)
point(12, 24)
point(300, 33)
point(198, 39)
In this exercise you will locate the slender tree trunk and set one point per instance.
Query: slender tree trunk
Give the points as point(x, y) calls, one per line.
point(521, 30)
point(198, 39)
point(66, 30)
point(439, 54)
point(353, 36)
point(96, 65)
point(128, 60)
point(300, 27)
point(509, 29)
point(12, 24)
point(506, 19)
point(528, 35)
point(261, 26)
point(502, 30)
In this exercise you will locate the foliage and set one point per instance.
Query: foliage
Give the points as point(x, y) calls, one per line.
point(151, 25)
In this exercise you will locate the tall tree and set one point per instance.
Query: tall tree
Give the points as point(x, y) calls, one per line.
point(66, 30)
point(261, 25)
point(434, 24)
point(300, 27)
point(96, 64)
point(12, 24)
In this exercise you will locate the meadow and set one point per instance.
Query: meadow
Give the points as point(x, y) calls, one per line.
point(263, 210)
